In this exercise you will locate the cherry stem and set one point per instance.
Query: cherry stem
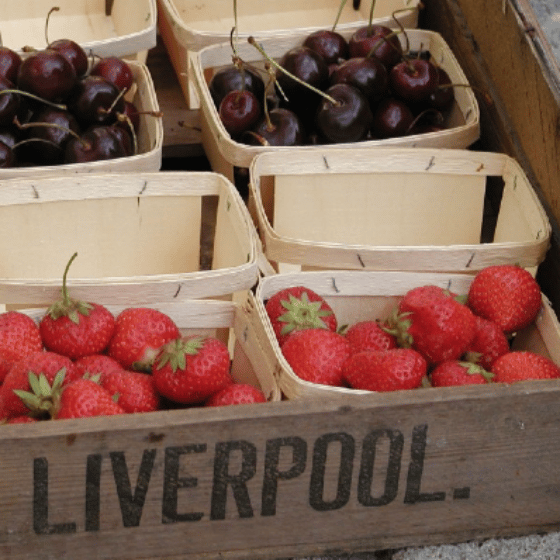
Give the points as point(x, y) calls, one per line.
point(236, 27)
point(383, 39)
point(122, 117)
point(401, 26)
point(37, 98)
point(23, 126)
point(305, 84)
point(271, 81)
point(262, 140)
point(370, 22)
point(53, 9)
point(29, 140)
point(340, 8)
point(419, 117)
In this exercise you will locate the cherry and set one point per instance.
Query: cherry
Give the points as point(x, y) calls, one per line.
point(376, 40)
point(330, 45)
point(73, 52)
point(283, 129)
point(98, 143)
point(231, 78)
point(442, 97)
point(9, 135)
point(392, 118)
point(114, 70)
point(7, 158)
point(239, 111)
point(46, 74)
point(95, 100)
point(130, 112)
point(413, 80)
point(367, 74)
point(10, 62)
point(347, 121)
point(9, 102)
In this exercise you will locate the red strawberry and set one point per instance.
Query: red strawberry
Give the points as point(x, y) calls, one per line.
point(385, 370)
point(19, 378)
point(236, 393)
point(297, 308)
point(19, 336)
point(191, 369)
point(84, 398)
point(430, 320)
point(455, 372)
point(139, 334)
point(489, 343)
point(368, 335)
point(317, 355)
point(96, 364)
point(133, 390)
point(76, 328)
point(522, 366)
point(507, 295)
point(24, 419)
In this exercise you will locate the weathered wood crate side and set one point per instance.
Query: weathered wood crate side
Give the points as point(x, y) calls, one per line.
point(138, 235)
point(499, 45)
point(118, 28)
point(224, 153)
point(395, 209)
point(187, 26)
point(284, 478)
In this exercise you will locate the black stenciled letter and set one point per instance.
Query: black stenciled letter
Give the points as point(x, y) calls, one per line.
point(365, 479)
point(223, 479)
point(132, 505)
point(41, 524)
point(172, 483)
point(317, 482)
point(93, 485)
point(416, 468)
point(271, 473)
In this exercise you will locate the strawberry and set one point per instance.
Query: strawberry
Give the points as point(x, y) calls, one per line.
point(76, 328)
point(24, 419)
point(369, 335)
point(297, 308)
point(236, 393)
point(489, 343)
point(507, 295)
point(385, 370)
point(39, 365)
point(139, 334)
point(134, 391)
point(455, 372)
point(191, 369)
point(522, 366)
point(84, 398)
point(432, 321)
point(317, 355)
point(96, 364)
point(19, 336)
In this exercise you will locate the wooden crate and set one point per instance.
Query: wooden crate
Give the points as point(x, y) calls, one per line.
point(101, 27)
point(371, 295)
point(396, 209)
point(149, 236)
point(224, 153)
point(149, 138)
point(305, 477)
point(188, 26)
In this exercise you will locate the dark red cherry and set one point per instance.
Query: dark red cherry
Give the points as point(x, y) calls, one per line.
point(442, 97)
point(231, 78)
point(7, 157)
point(369, 75)
point(10, 135)
point(239, 111)
point(379, 38)
point(114, 70)
point(413, 80)
point(73, 52)
point(47, 74)
point(392, 118)
point(10, 62)
point(332, 46)
point(98, 143)
point(284, 129)
point(9, 103)
point(95, 100)
point(349, 120)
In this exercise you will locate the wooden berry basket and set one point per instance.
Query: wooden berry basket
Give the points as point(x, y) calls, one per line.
point(370, 295)
point(149, 138)
point(147, 236)
point(396, 209)
point(188, 26)
point(224, 153)
point(118, 27)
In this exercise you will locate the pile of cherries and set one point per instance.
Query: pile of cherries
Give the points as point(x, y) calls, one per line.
point(57, 107)
point(334, 91)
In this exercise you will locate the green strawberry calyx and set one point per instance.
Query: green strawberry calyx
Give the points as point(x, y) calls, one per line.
point(175, 353)
point(43, 398)
point(397, 325)
point(477, 369)
point(67, 306)
point(302, 314)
